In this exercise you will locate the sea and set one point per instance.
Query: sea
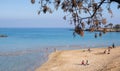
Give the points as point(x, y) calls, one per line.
point(25, 49)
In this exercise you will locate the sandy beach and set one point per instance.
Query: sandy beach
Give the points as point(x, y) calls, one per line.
point(70, 60)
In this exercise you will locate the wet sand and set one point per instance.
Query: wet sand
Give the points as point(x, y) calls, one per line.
point(70, 60)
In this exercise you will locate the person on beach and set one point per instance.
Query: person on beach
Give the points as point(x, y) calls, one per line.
point(82, 63)
point(109, 50)
point(89, 49)
point(113, 45)
point(104, 52)
point(87, 62)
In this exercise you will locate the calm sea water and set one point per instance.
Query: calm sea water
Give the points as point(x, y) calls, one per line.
point(27, 48)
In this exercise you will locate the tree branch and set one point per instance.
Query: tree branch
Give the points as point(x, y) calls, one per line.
point(97, 8)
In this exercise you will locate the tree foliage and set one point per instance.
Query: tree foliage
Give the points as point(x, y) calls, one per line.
point(76, 9)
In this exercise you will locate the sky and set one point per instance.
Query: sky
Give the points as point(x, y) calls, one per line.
point(21, 14)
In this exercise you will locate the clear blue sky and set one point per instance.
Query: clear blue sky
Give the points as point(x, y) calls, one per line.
point(21, 13)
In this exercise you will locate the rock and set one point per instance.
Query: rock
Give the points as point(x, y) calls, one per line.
point(3, 35)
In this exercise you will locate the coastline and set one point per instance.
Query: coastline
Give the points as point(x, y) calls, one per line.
point(70, 60)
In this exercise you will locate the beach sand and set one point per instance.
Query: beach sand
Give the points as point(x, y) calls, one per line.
point(70, 60)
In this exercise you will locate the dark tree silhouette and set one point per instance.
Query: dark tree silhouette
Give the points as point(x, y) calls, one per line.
point(92, 9)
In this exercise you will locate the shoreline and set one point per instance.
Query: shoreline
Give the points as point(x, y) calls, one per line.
point(70, 60)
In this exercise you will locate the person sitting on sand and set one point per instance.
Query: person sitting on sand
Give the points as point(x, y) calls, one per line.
point(82, 63)
point(104, 52)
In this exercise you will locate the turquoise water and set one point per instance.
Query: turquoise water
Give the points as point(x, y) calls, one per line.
point(26, 48)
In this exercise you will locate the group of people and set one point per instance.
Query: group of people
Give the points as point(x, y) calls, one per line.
point(84, 63)
point(109, 48)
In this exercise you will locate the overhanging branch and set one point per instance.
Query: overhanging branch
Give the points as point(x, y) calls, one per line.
point(97, 8)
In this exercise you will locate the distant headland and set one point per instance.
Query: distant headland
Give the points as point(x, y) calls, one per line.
point(108, 28)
